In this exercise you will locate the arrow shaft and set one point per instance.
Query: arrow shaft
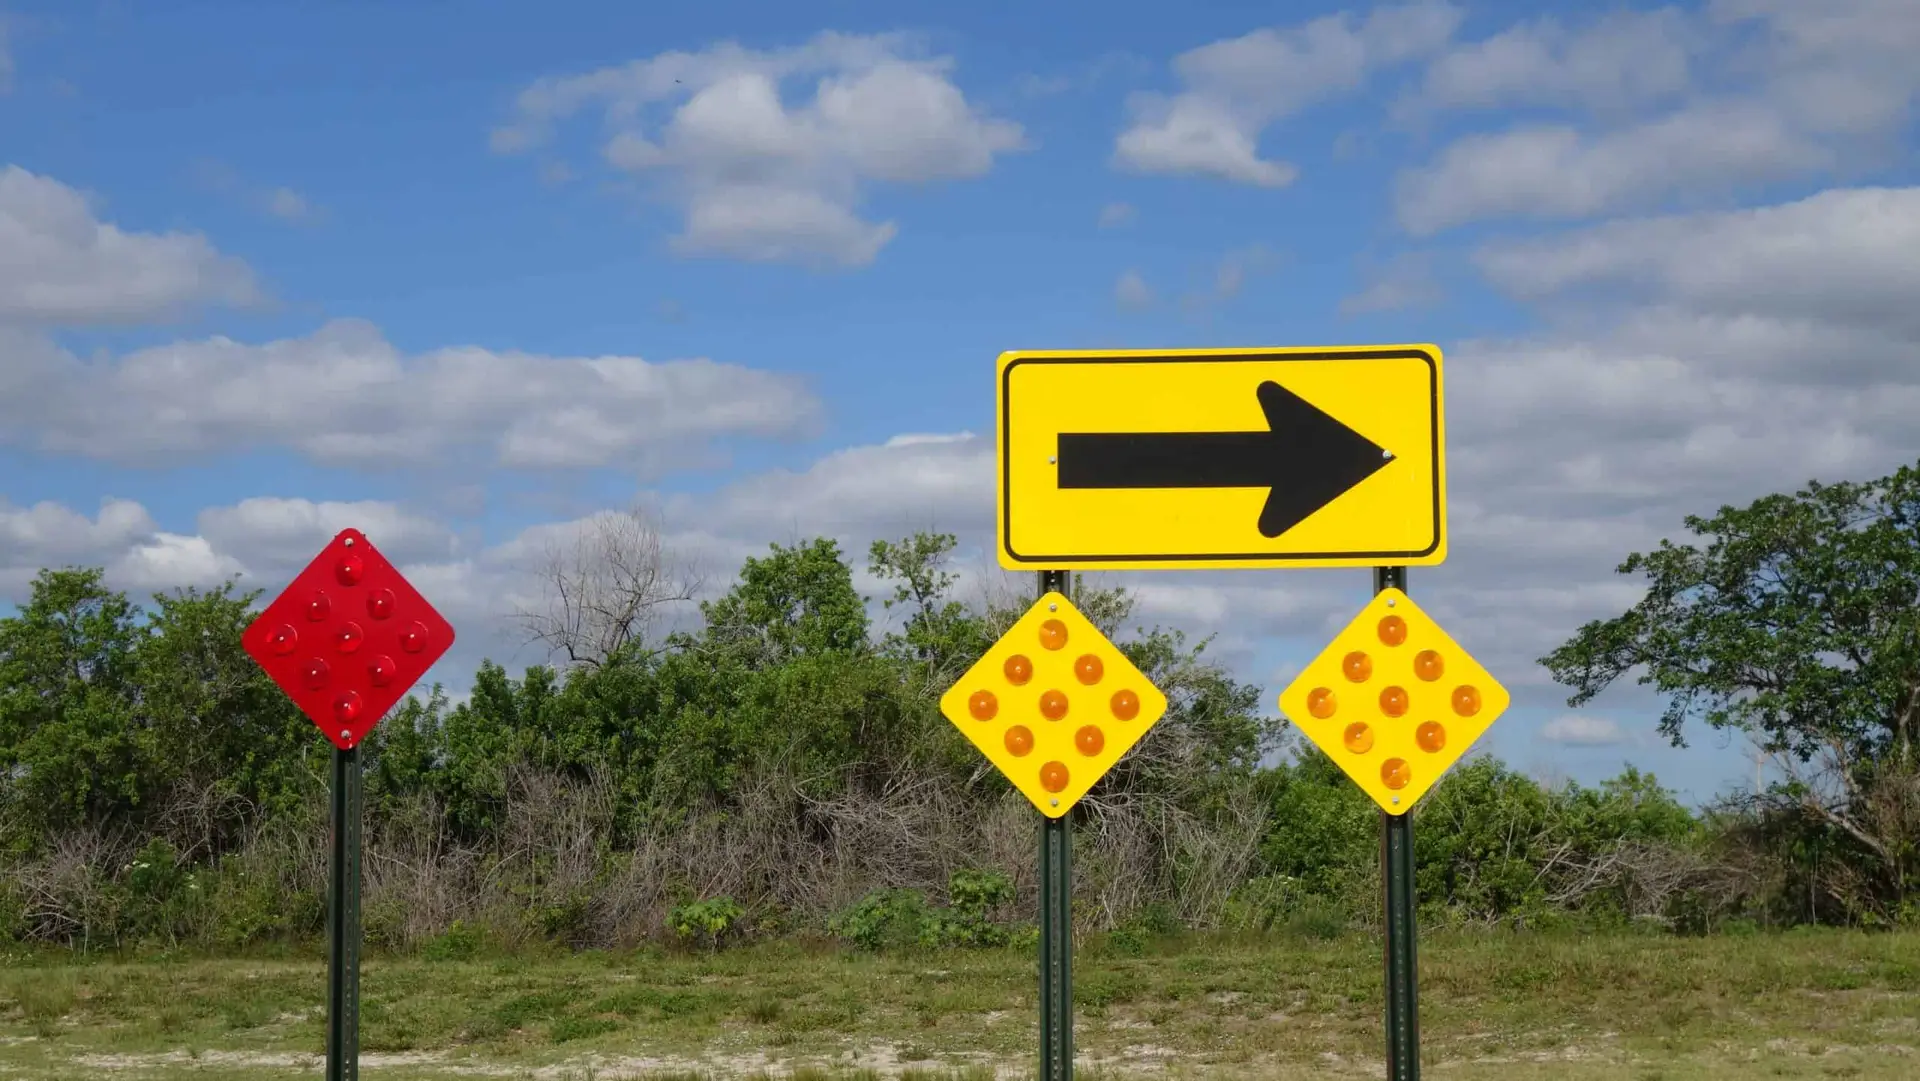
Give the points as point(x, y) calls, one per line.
point(1165, 460)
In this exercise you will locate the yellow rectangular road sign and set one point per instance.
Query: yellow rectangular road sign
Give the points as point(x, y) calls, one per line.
point(1215, 458)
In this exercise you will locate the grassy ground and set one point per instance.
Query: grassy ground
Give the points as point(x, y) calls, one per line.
point(1513, 1007)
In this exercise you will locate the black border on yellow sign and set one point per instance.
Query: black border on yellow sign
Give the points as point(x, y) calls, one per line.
point(1052, 559)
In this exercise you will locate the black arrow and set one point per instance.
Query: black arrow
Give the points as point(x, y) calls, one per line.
point(1306, 459)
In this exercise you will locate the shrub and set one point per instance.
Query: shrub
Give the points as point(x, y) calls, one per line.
point(968, 918)
point(458, 942)
point(708, 921)
point(1317, 920)
point(883, 919)
point(1127, 940)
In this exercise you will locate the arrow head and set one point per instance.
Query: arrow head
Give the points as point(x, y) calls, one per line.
point(1312, 458)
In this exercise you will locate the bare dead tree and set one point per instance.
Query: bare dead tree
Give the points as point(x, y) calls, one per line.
point(606, 590)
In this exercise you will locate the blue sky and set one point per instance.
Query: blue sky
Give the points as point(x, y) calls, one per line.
point(1652, 241)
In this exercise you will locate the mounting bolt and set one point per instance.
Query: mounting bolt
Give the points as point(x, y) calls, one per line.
point(1396, 799)
point(1386, 454)
point(346, 733)
point(1054, 802)
point(1052, 607)
point(1051, 459)
point(1389, 602)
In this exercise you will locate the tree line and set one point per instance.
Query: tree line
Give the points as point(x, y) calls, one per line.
point(775, 766)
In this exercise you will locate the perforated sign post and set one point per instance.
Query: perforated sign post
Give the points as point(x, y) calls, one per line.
point(346, 640)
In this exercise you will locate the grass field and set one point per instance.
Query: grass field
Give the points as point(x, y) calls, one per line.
point(1822, 1004)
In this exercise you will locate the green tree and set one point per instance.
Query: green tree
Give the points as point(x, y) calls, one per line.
point(498, 726)
point(401, 756)
point(1795, 620)
point(1322, 832)
point(793, 601)
point(71, 747)
point(231, 748)
point(942, 636)
point(1210, 740)
point(158, 719)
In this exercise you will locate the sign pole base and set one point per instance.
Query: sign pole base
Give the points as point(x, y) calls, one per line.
point(343, 922)
point(1056, 926)
point(1403, 1007)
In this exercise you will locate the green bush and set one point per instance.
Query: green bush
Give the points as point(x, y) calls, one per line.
point(979, 892)
point(709, 922)
point(1158, 919)
point(1128, 940)
point(558, 916)
point(893, 919)
point(968, 919)
point(250, 907)
point(383, 924)
point(1265, 903)
point(1317, 920)
point(458, 942)
point(159, 901)
point(883, 919)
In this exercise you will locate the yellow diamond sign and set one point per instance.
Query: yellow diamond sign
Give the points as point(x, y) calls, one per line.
point(1053, 705)
point(1394, 701)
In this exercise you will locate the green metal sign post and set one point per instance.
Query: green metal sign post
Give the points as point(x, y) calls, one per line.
point(1396, 875)
point(1056, 924)
point(343, 921)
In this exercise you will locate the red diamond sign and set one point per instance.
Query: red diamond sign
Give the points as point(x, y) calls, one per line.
point(348, 638)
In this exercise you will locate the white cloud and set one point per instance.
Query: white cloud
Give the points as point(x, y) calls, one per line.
point(761, 178)
point(1843, 256)
point(288, 205)
point(1132, 292)
point(1237, 266)
point(279, 534)
point(1189, 135)
point(1582, 429)
point(344, 396)
point(911, 482)
point(1584, 730)
point(772, 223)
point(1619, 60)
point(1117, 214)
point(168, 561)
point(280, 202)
point(1237, 87)
point(1405, 281)
point(1556, 171)
point(1728, 355)
point(49, 534)
point(59, 265)
point(1676, 108)
point(1839, 66)
point(264, 541)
